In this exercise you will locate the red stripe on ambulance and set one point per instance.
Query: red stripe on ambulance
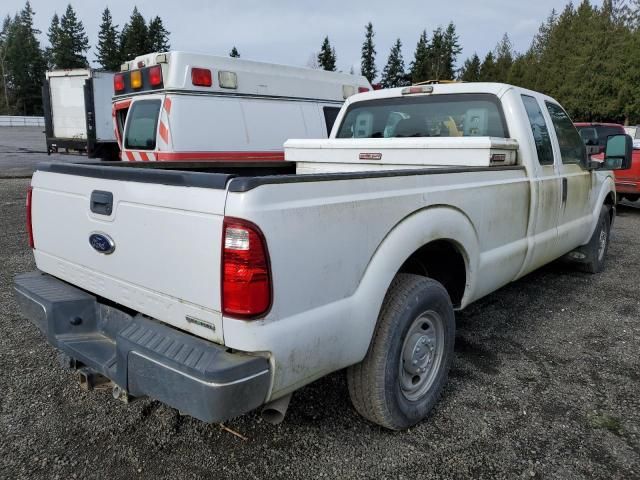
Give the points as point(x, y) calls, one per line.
point(237, 156)
point(164, 132)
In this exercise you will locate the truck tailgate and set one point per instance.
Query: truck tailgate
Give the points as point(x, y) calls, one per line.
point(166, 231)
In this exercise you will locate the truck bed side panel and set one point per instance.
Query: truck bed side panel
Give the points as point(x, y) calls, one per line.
point(323, 237)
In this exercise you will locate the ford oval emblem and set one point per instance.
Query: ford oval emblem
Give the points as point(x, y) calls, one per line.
point(101, 242)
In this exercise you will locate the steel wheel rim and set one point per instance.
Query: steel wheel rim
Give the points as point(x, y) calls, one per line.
point(602, 242)
point(421, 355)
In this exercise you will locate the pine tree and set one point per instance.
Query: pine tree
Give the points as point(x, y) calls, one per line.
point(393, 74)
point(452, 49)
point(420, 68)
point(158, 36)
point(327, 56)
point(25, 63)
point(368, 63)
point(442, 53)
point(234, 53)
point(470, 71)
point(54, 39)
point(108, 55)
point(4, 72)
point(504, 56)
point(488, 68)
point(69, 42)
point(134, 39)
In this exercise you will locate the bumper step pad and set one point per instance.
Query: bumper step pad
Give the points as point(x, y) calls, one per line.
point(141, 355)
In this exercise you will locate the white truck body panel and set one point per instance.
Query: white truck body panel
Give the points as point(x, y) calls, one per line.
point(238, 124)
point(254, 78)
point(67, 102)
point(335, 240)
point(102, 95)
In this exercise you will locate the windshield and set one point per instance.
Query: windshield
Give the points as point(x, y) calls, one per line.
point(142, 125)
point(452, 115)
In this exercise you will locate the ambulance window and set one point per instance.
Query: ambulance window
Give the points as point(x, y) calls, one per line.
point(330, 115)
point(142, 125)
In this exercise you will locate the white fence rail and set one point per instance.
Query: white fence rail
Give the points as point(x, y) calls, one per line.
point(17, 121)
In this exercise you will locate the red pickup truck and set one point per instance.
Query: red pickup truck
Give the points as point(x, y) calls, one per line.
point(627, 181)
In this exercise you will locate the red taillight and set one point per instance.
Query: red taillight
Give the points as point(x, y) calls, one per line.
point(362, 89)
point(246, 276)
point(201, 77)
point(118, 82)
point(29, 229)
point(155, 76)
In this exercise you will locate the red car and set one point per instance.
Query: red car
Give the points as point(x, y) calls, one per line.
point(627, 181)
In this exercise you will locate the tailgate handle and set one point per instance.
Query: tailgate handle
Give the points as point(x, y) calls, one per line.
point(101, 202)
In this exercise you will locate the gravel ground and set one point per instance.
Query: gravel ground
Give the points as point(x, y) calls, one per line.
point(545, 384)
point(22, 148)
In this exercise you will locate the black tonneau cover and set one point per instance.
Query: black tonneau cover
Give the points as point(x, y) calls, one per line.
point(239, 176)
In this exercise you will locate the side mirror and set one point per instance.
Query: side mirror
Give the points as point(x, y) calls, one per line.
point(618, 153)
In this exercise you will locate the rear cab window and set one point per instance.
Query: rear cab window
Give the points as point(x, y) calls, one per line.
point(445, 115)
point(142, 125)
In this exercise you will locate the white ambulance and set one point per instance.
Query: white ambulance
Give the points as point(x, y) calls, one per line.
point(179, 106)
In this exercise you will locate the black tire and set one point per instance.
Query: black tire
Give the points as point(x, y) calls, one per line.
point(598, 246)
point(631, 198)
point(380, 391)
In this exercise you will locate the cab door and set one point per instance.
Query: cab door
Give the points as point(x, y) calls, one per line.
point(574, 221)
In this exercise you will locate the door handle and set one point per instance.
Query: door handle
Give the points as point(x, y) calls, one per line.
point(565, 186)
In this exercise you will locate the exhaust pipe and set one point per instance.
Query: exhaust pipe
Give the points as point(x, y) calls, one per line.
point(274, 412)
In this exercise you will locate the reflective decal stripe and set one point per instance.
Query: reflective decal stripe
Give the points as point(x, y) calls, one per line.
point(167, 105)
point(122, 104)
point(237, 156)
point(164, 132)
point(129, 155)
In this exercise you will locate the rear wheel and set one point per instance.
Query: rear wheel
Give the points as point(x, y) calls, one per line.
point(632, 198)
point(406, 367)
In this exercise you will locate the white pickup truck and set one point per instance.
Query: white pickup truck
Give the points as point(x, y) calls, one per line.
point(220, 288)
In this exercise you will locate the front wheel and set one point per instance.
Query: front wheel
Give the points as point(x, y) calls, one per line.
point(405, 370)
point(596, 249)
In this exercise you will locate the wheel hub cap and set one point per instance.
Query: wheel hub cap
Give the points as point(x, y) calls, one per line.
point(422, 353)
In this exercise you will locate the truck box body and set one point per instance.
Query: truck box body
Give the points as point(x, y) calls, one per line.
point(67, 103)
point(309, 255)
point(77, 107)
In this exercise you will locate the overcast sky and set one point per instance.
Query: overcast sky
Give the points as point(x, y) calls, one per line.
point(288, 31)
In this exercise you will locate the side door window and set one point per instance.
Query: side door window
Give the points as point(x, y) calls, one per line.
point(539, 130)
point(572, 149)
point(574, 221)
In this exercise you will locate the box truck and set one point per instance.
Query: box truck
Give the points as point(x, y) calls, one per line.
point(77, 112)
